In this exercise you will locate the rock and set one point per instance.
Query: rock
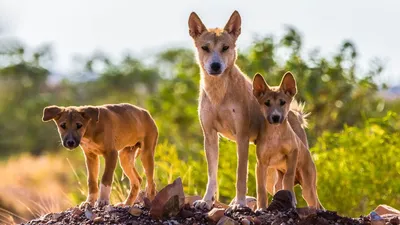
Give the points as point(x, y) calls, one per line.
point(256, 221)
point(51, 216)
point(215, 214)
point(135, 211)
point(245, 222)
point(378, 222)
point(227, 221)
point(282, 200)
point(376, 219)
point(191, 199)
point(385, 209)
point(169, 201)
point(388, 217)
point(98, 220)
point(89, 214)
point(306, 211)
point(395, 221)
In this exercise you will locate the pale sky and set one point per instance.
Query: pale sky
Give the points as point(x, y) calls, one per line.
point(146, 27)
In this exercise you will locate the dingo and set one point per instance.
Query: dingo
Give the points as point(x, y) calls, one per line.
point(279, 147)
point(110, 131)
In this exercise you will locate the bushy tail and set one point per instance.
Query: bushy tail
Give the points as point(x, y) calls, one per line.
point(298, 108)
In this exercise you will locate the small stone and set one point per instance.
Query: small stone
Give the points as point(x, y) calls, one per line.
point(378, 222)
point(245, 222)
point(385, 209)
point(98, 219)
point(134, 211)
point(55, 216)
point(395, 221)
point(215, 214)
point(256, 221)
point(376, 219)
point(90, 215)
point(77, 212)
point(227, 221)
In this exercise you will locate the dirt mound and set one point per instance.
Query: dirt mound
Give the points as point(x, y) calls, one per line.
point(188, 215)
point(171, 207)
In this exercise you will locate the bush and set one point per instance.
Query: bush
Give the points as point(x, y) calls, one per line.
point(358, 167)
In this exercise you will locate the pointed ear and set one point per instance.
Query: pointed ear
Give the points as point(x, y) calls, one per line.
point(259, 86)
point(51, 112)
point(91, 112)
point(196, 27)
point(234, 25)
point(288, 84)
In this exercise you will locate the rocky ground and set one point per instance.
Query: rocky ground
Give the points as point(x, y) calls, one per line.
point(171, 207)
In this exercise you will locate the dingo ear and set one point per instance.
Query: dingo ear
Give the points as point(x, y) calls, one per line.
point(51, 112)
point(196, 27)
point(288, 84)
point(234, 25)
point(90, 112)
point(259, 86)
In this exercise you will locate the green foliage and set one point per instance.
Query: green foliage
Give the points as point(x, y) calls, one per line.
point(357, 167)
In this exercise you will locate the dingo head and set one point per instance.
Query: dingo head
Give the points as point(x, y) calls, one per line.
point(71, 122)
point(216, 48)
point(275, 101)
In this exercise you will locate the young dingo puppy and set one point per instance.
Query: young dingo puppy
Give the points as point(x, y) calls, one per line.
point(226, 105)
point(113, 131)
point(279, 147)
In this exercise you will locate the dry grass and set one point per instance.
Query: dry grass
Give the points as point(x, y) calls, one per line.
point(34, 186)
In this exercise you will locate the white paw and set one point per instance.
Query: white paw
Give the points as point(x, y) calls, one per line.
point(238, 203)
point(237, 206)
point(202, 204)
point(86, 203)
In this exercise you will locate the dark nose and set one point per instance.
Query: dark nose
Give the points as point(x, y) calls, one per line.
point(276, 118)
point(215, 66)
point(70, 143)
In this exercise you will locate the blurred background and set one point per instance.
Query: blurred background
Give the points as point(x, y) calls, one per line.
point(344, 55)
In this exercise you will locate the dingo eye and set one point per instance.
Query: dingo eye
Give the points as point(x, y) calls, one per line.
point(282, 102)
point(63, 126)
point(225, 48)
point(205, 48)
point(268, 103)
point(78, 125)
